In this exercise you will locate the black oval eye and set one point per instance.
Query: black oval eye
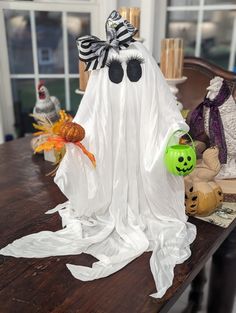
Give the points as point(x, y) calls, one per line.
point(180, 159)
point(115, 72)
point(134, 70)
point(189, 158)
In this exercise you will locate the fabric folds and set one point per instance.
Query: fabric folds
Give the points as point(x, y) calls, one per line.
point(129, 204)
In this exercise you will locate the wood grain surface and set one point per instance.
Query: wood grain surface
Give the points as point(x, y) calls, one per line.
point(45, 285)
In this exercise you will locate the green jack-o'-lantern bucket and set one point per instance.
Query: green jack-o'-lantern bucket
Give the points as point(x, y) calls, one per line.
point(180, 159)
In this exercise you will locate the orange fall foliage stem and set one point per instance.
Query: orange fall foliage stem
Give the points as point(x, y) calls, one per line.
point(86, 152)
point(60, 141)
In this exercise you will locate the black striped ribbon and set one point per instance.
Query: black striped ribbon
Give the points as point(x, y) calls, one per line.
point(94, 52)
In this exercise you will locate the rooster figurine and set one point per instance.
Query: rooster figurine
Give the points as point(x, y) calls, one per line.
point(46, 105)
point(216, 117)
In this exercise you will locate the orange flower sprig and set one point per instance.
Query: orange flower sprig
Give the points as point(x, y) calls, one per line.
point(46, 127)
point(57, 134)
point(58, 143)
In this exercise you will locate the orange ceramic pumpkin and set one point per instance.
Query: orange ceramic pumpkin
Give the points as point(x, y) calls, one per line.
point(72, 132)
point(202, 199)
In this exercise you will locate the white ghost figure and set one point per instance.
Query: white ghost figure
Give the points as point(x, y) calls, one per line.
point(129, 203)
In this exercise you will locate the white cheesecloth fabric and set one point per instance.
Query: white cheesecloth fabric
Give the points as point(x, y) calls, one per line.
point(129, 203)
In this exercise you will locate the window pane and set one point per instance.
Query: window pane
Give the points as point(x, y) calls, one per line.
point(78, 24)
point(24, 100)
point(56, 88)
point(19, 41)
point(217, 36)
point(49, 42)
point(74, 98)
point(219, 1)
point(183, 25)
point(183, 2)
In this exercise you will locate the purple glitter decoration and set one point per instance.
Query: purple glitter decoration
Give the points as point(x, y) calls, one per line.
point(216, 128)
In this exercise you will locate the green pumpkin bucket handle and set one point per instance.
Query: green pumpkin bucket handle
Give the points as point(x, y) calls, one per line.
point(184, 133)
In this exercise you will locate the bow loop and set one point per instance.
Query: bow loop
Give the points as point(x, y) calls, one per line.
point(94, 52)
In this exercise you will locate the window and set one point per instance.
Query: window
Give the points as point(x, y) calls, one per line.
point(208, 28)
point(41, 45)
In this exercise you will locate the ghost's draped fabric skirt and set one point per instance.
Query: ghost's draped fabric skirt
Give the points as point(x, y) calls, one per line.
point(114, 249)
point(124, 224)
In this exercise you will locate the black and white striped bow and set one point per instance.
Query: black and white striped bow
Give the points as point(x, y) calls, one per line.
point(94, 52)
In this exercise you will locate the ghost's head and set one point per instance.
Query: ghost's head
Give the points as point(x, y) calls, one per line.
point(131, 79)
point(127, 77)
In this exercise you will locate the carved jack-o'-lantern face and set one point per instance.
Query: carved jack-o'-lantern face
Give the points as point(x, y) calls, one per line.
point(191, 201)
point(184, 164)
point(180, 159)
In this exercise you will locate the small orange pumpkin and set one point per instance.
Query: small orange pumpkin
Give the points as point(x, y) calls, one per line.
point(72, 132)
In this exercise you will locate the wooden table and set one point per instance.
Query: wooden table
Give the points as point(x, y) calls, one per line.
point(45, 285)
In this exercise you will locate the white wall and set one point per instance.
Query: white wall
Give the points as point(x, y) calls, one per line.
point(129, 3)
point(1, 128)
point(1, 115)
point(6, 101)
point(105, 8)
point(159, 27)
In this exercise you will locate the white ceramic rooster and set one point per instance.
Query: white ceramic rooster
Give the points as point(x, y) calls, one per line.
point(46, 105)
point(227, 110)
